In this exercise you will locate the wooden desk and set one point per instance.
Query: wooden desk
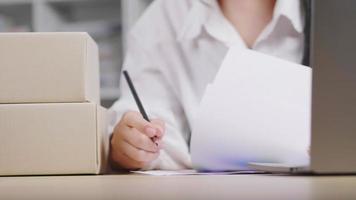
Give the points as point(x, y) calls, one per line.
point(121, 187)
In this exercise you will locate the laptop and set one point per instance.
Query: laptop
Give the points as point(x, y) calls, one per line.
point(333, 59)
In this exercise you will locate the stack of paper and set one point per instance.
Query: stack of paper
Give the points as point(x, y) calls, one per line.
point(257, 110)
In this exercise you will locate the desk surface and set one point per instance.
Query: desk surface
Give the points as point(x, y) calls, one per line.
point(178, 187)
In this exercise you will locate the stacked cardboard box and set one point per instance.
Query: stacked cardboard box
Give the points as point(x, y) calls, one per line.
point(51, 121)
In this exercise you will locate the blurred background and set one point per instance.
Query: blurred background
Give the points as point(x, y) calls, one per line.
point(107, 21)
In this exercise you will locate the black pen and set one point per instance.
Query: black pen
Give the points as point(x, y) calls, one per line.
point(135, 95)
point(138, 101)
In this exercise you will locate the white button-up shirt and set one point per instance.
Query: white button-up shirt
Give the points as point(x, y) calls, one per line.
point(176, 49)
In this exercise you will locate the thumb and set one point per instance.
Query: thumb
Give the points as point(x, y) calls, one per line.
point(160, 125)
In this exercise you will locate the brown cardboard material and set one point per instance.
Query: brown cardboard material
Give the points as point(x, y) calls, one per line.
point(52, 139)
point(48, 68)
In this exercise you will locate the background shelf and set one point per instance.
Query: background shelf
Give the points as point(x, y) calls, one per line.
point(107, 21)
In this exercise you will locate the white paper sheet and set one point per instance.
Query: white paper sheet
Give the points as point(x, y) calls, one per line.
point(189, 172)
point(256, 110)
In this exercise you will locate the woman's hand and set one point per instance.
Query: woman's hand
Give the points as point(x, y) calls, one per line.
point(136, 142)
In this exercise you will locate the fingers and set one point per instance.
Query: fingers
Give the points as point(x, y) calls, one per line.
point(136, 154)
point(126, 162)
point(139, 140)
point(136, 142)
point(135, 120)
point(150, 131)
point(159, 144)
point(160, 125)
point(128, 156)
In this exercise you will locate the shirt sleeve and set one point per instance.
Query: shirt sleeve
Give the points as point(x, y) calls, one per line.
point(159, 100)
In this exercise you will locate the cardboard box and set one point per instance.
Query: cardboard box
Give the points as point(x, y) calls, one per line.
point(48, 67)
point(47, 139)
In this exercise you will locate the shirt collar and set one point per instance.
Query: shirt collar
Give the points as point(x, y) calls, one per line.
point(209, 2)
point(199, 13)
point(292, 10)
point(195, 19)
